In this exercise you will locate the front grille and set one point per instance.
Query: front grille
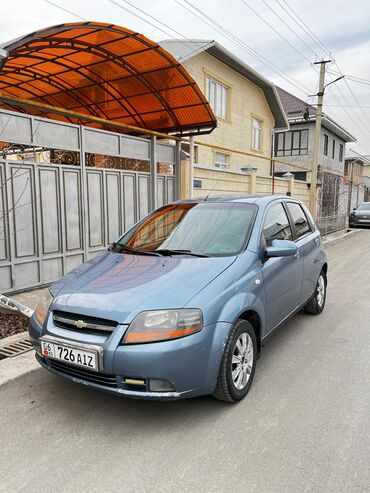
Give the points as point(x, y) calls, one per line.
point(89, 376)
point(83, 323)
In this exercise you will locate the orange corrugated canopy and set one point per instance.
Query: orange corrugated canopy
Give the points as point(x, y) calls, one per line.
point(105, 71)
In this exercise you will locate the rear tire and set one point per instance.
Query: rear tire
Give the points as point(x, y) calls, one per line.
point(238, 363)
point(316, 304)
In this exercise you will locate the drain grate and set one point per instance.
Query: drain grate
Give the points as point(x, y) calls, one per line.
point(15, 348)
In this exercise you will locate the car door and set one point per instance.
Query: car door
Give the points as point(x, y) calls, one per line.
point(282, 276)
point(308, 242)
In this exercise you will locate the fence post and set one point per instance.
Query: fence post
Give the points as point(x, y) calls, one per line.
point(291, 186)
point(153, 173)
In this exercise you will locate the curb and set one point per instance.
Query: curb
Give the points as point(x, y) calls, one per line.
point(336, 239)
point(18, 366)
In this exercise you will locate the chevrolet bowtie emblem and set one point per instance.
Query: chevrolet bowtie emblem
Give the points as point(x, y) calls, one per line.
point(80, 324)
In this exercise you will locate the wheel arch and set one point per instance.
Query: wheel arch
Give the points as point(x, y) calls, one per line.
point(253, 318)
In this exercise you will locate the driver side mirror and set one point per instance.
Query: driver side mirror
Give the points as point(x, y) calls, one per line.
point(281, 248)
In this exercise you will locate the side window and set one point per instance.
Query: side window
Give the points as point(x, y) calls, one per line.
point(276, 225)
point(301, 223)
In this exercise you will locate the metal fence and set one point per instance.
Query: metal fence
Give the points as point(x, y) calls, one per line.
point(67, 191)
point(331, 224)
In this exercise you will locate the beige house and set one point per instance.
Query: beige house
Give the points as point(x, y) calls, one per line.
point(246, 105)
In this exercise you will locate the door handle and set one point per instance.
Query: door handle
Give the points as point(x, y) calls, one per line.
point(297, 255)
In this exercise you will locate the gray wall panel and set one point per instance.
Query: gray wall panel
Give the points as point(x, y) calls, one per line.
point(23, 211)
point(55, 135)
point(95, 208)
point(129, 200)
point(161, 196)
point(50, 210)
point(101, 142)
point(52, 269)
point(143, 195)
point(135, 147)
point(170, 190)
point(26, 274)
point(72, 261)
point(113, 206)
point(72, 209)
point(165, 153)
point(14, 128)
point(5, 278)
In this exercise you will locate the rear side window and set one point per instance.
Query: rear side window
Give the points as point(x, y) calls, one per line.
point(301, 224)
point(276, 225)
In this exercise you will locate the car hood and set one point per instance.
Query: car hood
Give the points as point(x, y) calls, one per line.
point(362, 213)
point(118, 287)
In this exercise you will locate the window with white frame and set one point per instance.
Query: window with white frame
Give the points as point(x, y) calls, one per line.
point(217, 95)
point(221, 160)
point(256, 134)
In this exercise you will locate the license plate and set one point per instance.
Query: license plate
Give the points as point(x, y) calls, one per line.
point(364, 220)
point(71, 354)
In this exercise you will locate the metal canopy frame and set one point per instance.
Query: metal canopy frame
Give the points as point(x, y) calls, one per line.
point(105, 71)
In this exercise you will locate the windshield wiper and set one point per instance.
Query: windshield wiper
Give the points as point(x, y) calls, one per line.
point(133, 251)
point(165, 251)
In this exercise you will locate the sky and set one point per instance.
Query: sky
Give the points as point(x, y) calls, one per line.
point(281, 47)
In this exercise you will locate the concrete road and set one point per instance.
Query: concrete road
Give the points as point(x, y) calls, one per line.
point(305, 426)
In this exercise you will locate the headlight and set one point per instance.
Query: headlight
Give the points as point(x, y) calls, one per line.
point(161, 325)
point(43, 307)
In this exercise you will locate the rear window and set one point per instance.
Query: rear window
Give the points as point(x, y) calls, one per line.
point(364, 207)
point(301, 224)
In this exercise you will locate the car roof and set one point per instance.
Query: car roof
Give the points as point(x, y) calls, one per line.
point(248, 199)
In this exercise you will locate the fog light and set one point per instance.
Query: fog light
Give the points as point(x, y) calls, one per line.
point(160, 386)
point(134, 381)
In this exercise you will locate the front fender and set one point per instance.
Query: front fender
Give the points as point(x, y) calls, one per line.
point(241, 303)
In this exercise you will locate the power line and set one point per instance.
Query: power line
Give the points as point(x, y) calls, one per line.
point(276, 31)
point(66, 10)
point(241, 44)
point(139, 17)
point(314, 37)
point(306, 29)
point(353, 78)
point(155, 19)
point(289, 27)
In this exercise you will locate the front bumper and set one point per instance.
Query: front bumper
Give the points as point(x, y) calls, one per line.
point(189, 365)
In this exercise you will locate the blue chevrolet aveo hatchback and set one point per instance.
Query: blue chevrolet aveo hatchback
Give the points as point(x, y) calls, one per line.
point(180, 305)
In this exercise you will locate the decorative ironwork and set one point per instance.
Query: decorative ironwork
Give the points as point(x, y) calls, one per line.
point(165, 169)
point(117, 162)
point(40, 155)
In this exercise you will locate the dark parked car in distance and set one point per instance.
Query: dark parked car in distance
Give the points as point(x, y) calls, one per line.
point(360, 215)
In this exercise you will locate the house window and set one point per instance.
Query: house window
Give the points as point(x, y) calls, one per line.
point(326, 144)
point(217, 95)
point(256, 134)
point(333, 150)
point(292, 143)
point(221, 160)
point(341, 152)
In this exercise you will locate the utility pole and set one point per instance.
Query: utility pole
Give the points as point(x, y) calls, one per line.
point(316, 147)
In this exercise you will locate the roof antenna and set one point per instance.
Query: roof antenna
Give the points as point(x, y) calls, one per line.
point(209, 193)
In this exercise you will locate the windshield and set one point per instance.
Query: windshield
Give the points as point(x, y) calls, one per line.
point(205, 229)
point(364, 207)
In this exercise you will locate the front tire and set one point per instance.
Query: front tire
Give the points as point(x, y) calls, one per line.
point(317, 302)
point(238, 364)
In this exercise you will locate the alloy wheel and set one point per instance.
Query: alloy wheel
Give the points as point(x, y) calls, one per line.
point(242, 361)
point(320, 291)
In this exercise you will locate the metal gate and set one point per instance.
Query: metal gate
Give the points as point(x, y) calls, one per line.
point(68, 191)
